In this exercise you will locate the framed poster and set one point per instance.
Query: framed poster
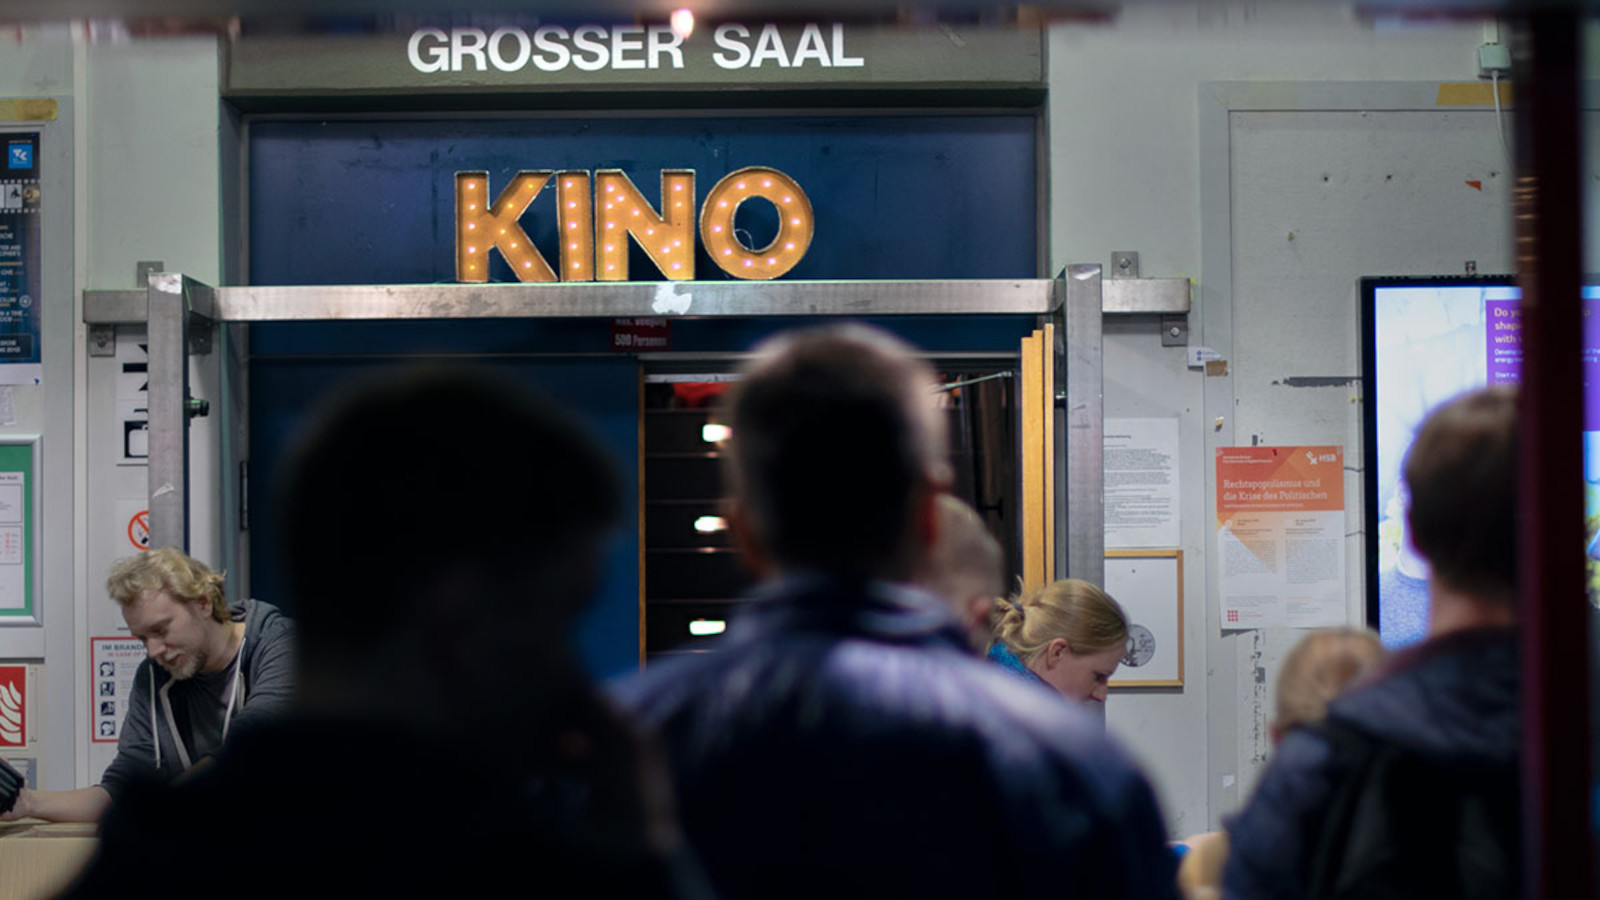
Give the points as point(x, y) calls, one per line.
point(21, 267)
point(19, 541)
point(1149, 586)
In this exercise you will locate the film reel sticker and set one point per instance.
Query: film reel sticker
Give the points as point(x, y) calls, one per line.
point(1141, 646)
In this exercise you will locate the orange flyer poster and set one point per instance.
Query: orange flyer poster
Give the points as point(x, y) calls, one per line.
point(1280, 537)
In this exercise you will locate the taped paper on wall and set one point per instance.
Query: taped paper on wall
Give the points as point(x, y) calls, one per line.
point(1280, 536)
point(1141, 483)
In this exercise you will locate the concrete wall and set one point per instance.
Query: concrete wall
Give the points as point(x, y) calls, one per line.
point(1125, 169)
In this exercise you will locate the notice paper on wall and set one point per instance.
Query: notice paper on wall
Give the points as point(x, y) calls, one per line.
point(1141, 483)
point(1280, 536)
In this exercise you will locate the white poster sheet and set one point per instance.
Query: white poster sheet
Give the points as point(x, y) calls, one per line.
point(1280, 537)
point(1140, 458)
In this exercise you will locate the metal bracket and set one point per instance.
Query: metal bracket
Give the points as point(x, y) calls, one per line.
point(200, 330)
point(102, 340)
point(1174, 331)
point(103, 335)
point(1124, 264)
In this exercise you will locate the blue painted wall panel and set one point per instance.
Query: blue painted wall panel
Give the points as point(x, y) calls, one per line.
point(359, 202)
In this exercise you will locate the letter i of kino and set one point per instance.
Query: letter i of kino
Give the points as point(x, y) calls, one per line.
point(594, 241)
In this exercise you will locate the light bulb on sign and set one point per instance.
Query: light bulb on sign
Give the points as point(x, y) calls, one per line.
point(704, 627)
point(710, 524)
point(714, 433)
point(682, 22)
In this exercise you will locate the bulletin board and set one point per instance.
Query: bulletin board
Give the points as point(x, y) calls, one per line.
point(1149, 586)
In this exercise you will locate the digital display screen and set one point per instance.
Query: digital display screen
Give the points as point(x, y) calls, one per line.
point(1426, 341)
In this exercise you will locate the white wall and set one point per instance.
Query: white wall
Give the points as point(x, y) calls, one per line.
point(1125, 155)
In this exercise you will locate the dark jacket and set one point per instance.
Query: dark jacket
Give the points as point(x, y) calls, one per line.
point(147, 746)
point(844, 741)
point(1452, 700)
point(319, 807)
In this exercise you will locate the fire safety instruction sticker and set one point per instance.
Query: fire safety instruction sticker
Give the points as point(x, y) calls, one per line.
point(114, 661)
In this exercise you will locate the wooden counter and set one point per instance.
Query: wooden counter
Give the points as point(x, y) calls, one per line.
point(38, 859)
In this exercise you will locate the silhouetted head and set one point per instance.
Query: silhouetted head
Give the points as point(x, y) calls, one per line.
point(442, 505)
point(836, 454)
point(1461, 475)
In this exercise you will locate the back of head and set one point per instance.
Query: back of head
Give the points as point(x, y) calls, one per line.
point(167, 569)
point(441, 492)
point(1319, 668)
point(835, 438)
point(963, 567)
point(1071, 609)
point(1461, 474)
point(964, 561)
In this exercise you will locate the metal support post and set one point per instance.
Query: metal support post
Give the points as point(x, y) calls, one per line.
point(175, 305)
point(1080, 426)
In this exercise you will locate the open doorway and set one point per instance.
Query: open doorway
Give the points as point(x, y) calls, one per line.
point(692, 580)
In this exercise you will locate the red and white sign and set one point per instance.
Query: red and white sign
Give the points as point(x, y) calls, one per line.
point(132, 523)
point(648, 334)
point(139, 530)
point(13, 706)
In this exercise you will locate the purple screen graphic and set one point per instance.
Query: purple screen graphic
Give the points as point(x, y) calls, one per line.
point(1430, 343)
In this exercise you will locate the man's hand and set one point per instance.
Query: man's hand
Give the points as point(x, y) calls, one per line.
point(23, 809)
point(82, 805)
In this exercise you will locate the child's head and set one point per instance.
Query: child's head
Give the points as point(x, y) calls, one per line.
point(1318, 669)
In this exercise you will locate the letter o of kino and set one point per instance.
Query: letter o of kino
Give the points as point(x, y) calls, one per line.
point(796, 224)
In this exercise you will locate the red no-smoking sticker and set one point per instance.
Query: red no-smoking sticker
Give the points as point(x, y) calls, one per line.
point(13, 706)
point(139, 530)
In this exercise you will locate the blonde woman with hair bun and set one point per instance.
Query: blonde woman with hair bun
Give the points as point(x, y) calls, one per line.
point(1069, 635)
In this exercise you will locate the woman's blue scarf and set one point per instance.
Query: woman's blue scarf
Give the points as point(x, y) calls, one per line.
point(1001, 654)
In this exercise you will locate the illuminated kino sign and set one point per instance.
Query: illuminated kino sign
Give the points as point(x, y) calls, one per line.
point(596, 223)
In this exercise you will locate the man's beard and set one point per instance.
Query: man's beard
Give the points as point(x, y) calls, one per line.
point(188, 665)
